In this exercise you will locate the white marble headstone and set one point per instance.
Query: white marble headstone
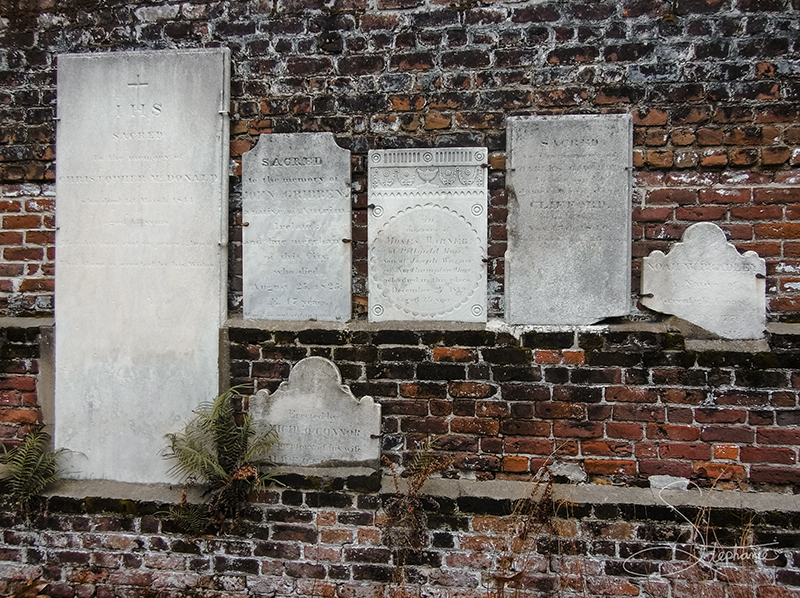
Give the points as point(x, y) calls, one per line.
point(427, 234)
point(706, 281)
point(569, 220)
point(141, 259)
point(296, 242)
point(318, 421)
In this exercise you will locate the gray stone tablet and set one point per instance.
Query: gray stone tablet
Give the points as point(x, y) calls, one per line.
point(569, 219)
point(705, 281)
point(318, 420)
point(296, 242)
point(427, 234)
point(140, 253)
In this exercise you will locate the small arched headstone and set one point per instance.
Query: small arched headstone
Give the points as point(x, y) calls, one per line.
point(318, 420)
point(706, 281)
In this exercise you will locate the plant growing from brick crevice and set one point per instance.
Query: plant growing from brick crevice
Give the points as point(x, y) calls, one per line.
point(29, 468)
point(221, 449)
point(407, 523)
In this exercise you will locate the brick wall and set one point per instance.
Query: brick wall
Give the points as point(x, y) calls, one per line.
point(714, 92)
point(19, 370)
point(622, 406)
point(331, 541)
point(712, 85)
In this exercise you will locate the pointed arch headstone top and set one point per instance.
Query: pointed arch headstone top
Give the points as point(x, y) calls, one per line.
point(319, 422)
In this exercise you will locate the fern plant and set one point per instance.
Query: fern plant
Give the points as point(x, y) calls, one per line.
point(225, 454)
point(29, 468)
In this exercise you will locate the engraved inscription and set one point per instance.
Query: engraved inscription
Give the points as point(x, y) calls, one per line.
point(297, 206)
point(569, 219)
point(424, 260)
point(427, 234)
point(140, 259)
point(317, 419)
point(706, 281)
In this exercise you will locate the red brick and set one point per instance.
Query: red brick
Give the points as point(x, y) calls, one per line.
point(423, 390)
point(628, 394)
point(633, 412)
point(19, 222)
point(720, 471)
point(757, 454)
point(240, 146)
point(609, 466)
point(724, 196)
point(707, 136)
point(672, 196)
point(649, 117)
point(451, 354)
point(762, 248)
point(684, 451)
point(23, 254)
point(727, 434)
point(515, 464)
point(726, 451)
point(680, 469)
point(777, 230)
point(660, 158)
point(557, 410)
point(788, 304)
point(531, 446)
point(704, 213)
point(775, 155)
point(19, 416)
point(624, 430)
point(652, 214)
point(497, 409)
point(778, 436)
point(672, 432)
point(10, 238)
point(777, 195)
point(720, 416)
point(743, 157)
point(606, 448)
point(568, 429)
point(30, 285)
point(472, 390)
point(469, 425)
point(21, 383)
point(758, 212)
point(424, 425)
point(775, 475)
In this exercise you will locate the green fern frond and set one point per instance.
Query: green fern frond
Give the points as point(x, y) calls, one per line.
point(221, 448)
point(192, 518)
point(30, 467)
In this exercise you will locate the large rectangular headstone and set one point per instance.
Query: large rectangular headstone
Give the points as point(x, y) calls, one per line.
point(140, 253)
point(296, 242)
point(569, 221)
point(427, 234)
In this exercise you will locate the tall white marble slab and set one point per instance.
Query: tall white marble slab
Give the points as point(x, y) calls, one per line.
point(427, 234)
point(569, 222)
point(141, 193)
point(706, 281)
point(318, 421)
point(296, 239)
